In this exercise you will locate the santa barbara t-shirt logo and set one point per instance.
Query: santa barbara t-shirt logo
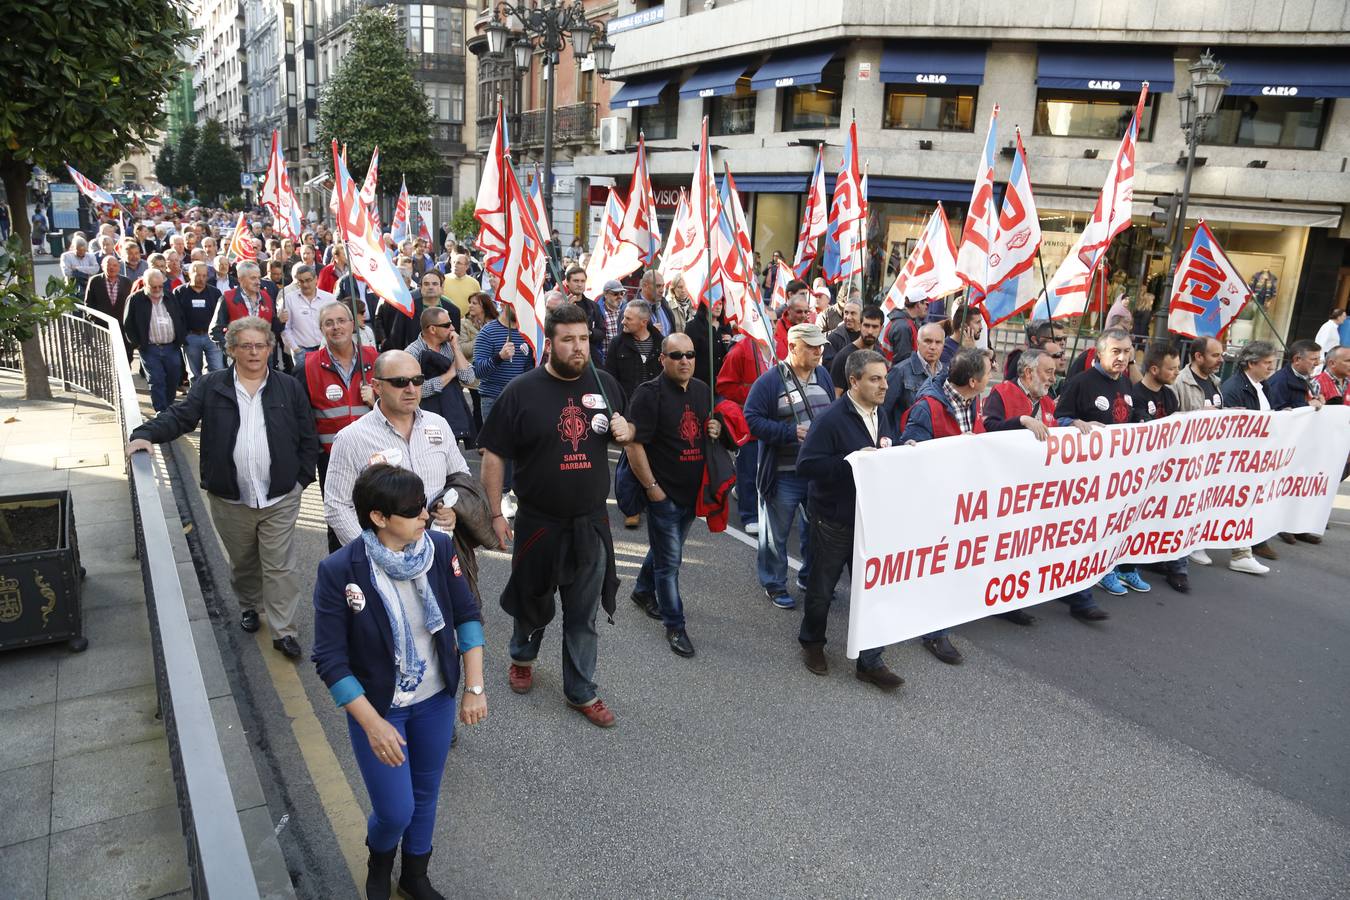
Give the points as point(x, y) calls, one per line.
point(689, 427)
point(572, 426)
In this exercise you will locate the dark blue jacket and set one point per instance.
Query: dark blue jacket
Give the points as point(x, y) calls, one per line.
point(904, 381)
point(761, 415)
point(354, 651)
point(1286, 389)
point(1238, 392)
point(836, 433)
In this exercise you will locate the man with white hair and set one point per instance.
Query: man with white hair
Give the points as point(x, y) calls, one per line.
point(78, 264)
point(133, 265)
point(249, 299)
point(220, 274)
point(154, 324)
point(198, 300)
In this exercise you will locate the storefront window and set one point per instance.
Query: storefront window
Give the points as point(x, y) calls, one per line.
point(1091, 114)
point(776, 224)
point(930, 109)
point(661, 120)
point(818, 105)
point(1295, 123)
point(734, 113)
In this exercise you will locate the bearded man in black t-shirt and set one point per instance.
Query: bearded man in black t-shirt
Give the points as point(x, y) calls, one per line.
point(555, 423)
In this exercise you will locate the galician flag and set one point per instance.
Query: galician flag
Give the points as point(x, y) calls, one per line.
point(277, 196)
point(732, 264)
point(1208, 293)
point(365, 252)
point(611, 257)
point(981, 228)
point(536, 198)
point(846, 214)
point(704, 211)
point(814, 219)
point(91, 190)
point(398, 228)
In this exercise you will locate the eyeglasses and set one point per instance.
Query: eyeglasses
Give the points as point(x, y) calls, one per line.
point(402, 381)
point(1059, 355)
point(412, 512)
point(678, 355)
point(251, 348)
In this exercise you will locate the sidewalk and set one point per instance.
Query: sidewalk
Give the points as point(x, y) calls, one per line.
point(85, 776)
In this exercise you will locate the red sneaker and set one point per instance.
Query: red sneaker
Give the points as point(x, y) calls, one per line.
point(596, 712)
point(520, 678)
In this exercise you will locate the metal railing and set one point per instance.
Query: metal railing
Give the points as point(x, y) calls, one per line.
point(84, 351)
point(571, 124)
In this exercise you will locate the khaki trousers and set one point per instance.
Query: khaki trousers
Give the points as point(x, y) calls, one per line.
point(261, 547)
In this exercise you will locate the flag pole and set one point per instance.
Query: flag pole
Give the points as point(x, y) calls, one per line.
point(705, 163)
point(351, 270)
point(754, 291)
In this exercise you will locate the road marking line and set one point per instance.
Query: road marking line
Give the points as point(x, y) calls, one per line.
point(747, 540)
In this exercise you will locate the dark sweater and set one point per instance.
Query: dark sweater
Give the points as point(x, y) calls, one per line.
point(836, 433)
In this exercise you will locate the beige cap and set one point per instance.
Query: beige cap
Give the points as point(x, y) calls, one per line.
point(808, 333)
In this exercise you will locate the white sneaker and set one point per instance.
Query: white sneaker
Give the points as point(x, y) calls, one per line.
point(752, 528)
point(509, 505)
point(1201, 558)
point(1248, 565)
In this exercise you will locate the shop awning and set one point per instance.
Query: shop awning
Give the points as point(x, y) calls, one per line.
point(878, 187)
point(927, 62)
point(714, 79)
point(793, 67)
point(1286, 74)
point(1104, 67)
point(641, 92)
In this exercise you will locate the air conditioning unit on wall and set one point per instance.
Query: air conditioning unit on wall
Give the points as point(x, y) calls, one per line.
point(613, 134)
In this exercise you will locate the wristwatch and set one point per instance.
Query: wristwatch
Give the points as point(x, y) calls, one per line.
point(476, 689)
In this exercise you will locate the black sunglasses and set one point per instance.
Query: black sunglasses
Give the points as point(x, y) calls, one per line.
point(678, 355)
point(402, 381)
point(411, 512)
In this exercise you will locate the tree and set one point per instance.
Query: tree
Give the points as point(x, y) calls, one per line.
point(182, 157)
point(67, 101)
point(165, 171)
point(373, 99)
point(463, 224)
point(215, 166)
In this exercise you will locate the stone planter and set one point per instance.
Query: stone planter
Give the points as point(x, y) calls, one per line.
point(39, 572)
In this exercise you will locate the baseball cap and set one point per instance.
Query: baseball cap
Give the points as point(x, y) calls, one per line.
point(808, 333)
point(915, 301)
point(613, 287)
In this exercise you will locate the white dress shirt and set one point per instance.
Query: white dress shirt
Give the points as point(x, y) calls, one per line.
point(1260, 394)
point(869, 417)
point(302, 326)
point(252, 454)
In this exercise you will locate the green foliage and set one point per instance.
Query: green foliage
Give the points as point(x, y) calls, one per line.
point(234, 203)
point(86, 79)
point(463, 224)
point(372, 99)
point(165, 171)
point(184, 175)
point(215, 166)
point(22, 309)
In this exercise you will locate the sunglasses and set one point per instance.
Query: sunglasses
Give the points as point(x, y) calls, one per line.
point(1059, 355)
point(411, 512)
point(402, 381)
point(678, 355)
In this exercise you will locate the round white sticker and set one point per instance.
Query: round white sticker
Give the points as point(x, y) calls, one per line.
point(333, 392)
point(1102, 403)
point(884, 442)
point(593, 401)
point(356, 598)
point(1129, 401)
point(1152, 408)
point(600, 424)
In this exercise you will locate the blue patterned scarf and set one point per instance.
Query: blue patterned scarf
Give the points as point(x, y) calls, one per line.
point(410, 564)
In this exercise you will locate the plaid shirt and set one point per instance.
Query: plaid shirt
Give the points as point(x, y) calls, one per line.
point(964, 409)
point(612, 320)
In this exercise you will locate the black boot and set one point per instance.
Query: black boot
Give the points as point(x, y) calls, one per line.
point(379, 873)
point(412, 880)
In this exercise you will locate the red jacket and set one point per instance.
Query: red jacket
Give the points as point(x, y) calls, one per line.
point(1017, 404)
point(328, 278)
point(1323, 380)
point(944, 423)
point(236, 308)
point(780, 338)
point(336, 404)
point(742, 365)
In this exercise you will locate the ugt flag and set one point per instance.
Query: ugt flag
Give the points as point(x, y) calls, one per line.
point(813, 219)
point(1015, 244)
point(981, 228)
point(639, 226)
point(365, 251)
point(90, 189)
point(846, 214)
point(523, 266)
point(1208, 293)
point(684, 254)
point(277, 196)
point(241, 242)
point(370, 185)
point(398, 228)
point(930, 271)
point(1115, 204)
point(490, 208)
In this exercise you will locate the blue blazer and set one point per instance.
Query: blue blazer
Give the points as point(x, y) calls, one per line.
point(354, 651)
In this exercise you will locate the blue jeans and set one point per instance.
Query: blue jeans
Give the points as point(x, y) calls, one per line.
point(163, 368)
point(668, 525)
point(580, 600)
point(403, 798)
point(1079, 600)
point(777, 512)
point(507, 466)
point(832, 544)
point(201, 345)
point(747, 494)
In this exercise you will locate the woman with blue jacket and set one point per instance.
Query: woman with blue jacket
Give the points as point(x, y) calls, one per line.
point(381, 607)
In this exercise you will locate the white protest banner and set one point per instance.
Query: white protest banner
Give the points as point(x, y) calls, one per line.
point(1002, 521)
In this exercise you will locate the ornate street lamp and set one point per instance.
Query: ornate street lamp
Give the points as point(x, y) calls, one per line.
point(547, 26)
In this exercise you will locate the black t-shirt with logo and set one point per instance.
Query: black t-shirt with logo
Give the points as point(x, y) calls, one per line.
point(1150, 405)
point(669, 424)
point(557, 433)
point(1094, 396)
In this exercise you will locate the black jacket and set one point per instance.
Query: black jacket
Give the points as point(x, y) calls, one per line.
point(399, 330)
point(623, 361)
point(96, 295)
point(1239, 393)
point(291, 438)
point(697, 330)
point(596, 317)
point(138, 319)
point(836, 433)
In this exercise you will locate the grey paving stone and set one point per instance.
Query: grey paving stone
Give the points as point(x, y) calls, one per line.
point(137, 856)
point(269, 865)
point(27, 736)
point(106, 720)
point(119, 654)
point(113, 493)
point(26, 797)
point(238, 757)
point(112, 589)
point(29, 676)
point(110, 784)
point(23, 870)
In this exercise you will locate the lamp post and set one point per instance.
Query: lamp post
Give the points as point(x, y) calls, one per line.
point(1197, 105)
point(546, 26)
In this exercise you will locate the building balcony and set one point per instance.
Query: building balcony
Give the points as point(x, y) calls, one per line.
point(447, 138)
point(573, 124)
point(440, 63)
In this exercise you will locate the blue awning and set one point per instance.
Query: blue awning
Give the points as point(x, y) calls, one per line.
point(793, 67)
point(1286, 73)
point(929, 62)
point(714, 79)
point(643, 92)
point(878, 187)
point(1092, 67)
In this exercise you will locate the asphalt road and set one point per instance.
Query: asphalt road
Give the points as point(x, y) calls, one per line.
point(1190, 747)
